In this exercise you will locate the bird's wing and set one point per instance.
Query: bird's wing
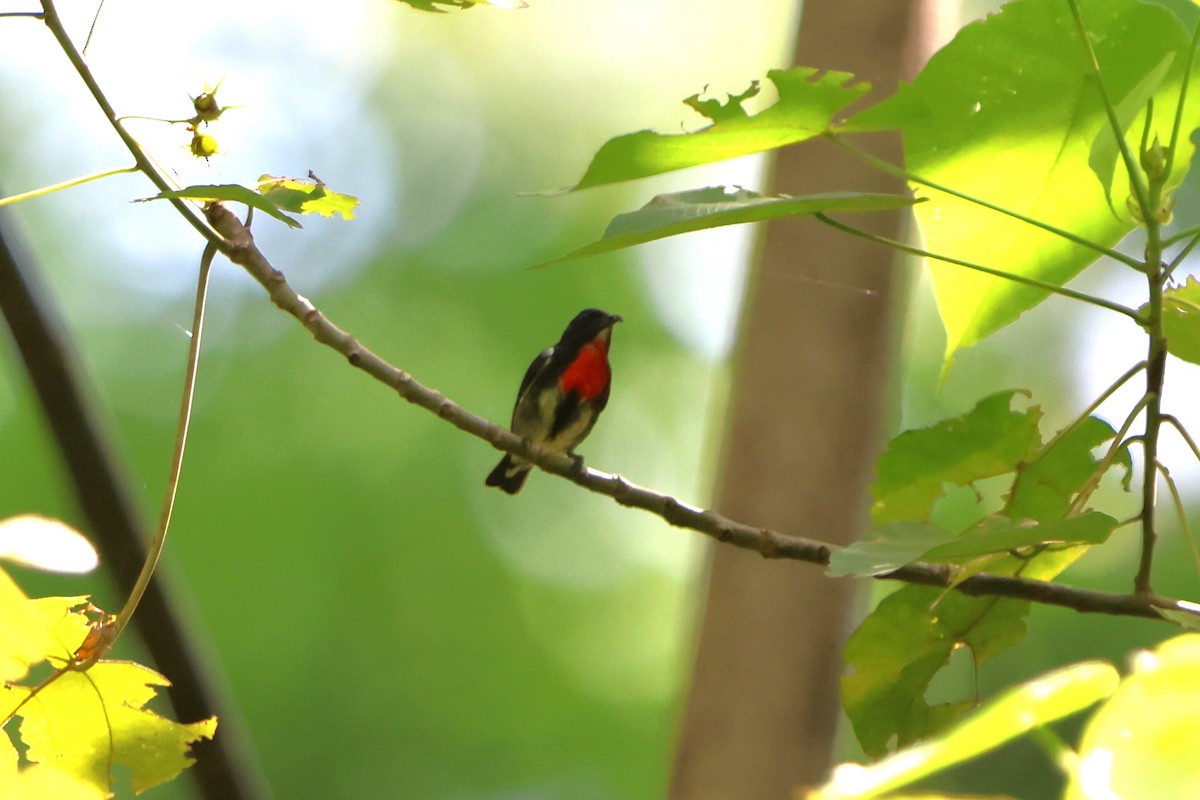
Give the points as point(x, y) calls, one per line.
point(543, 358)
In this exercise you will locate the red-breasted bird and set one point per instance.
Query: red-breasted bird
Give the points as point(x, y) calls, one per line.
point(562, 394)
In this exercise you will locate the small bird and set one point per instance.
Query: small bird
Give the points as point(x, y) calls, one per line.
point(562, 394)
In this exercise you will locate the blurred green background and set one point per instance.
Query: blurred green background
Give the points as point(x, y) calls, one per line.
point(386, 626)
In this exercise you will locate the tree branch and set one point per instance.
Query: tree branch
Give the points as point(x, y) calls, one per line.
point(239, 247)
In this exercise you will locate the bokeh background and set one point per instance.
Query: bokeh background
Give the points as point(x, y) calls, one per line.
point(384, 626)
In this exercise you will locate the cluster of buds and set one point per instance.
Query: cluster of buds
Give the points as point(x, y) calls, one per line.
point(207, 110)
point(1154, 166)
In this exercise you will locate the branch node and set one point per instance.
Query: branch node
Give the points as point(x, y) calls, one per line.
point(768, 543)
point(623, 494)
point(672, 511)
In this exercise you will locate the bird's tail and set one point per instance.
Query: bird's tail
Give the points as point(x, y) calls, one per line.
point(509, 476)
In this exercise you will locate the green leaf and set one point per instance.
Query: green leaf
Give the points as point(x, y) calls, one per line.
point(274, 196)
point(228, 192)
point(1012, 118)
point(1010, 714)
point(808, 100)
point(890, 547)
point(1046, 484)
point(1141, 743)
point(306, 196)
point(1181, 319)
point(716, 206)
point(83, 722)
point(901, 645)
point(1004, 535)
point(989, 440)
point(895, 544)
point(1187, 617)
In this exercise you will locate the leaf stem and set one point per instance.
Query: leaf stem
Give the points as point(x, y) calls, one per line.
point(1119, 442)
point(1183, 90)
point(1181, 513)
point(1182, 254)
point(1062, 756)
point(181, 430)
point(16, 198)
point(1174, 422)
point(1082, 297)
point(1181, 235)
point(1136, 180)
point(900, 172)
point(1087, 412)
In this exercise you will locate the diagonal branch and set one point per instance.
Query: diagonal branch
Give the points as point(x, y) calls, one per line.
point(239, 247)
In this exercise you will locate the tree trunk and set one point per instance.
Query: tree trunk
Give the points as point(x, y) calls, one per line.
point(804, 429)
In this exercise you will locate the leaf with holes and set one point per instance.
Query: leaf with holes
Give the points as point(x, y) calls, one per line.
point(1181, 320)
point(808, 101)
point(989, 440)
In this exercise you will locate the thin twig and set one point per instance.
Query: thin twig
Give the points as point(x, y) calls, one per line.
point(92, 30)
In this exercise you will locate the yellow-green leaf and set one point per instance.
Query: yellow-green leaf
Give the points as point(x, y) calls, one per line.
point(306, 196)
point(24, 639)
point(808, 100)
point(1012, 713)
point(1141, 745)
point(86, 722)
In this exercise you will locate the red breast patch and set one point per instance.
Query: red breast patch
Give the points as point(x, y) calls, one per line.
point(588, 374)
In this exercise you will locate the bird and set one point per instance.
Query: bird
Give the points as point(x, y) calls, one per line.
point(561, 396)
